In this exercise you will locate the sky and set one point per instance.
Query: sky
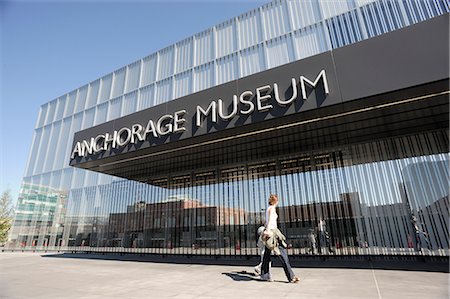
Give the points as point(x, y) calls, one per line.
point(49, 48)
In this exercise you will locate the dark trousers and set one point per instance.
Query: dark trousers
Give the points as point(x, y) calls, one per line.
point(420, 236)
point(284, 262)
point(324, 241)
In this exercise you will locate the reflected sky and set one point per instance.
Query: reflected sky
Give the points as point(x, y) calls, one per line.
point(425, 180)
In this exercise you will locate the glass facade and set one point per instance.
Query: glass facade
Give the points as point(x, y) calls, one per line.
point(372, 201)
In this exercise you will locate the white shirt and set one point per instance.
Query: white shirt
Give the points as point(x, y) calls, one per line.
point(271, 218)
point(322, 225)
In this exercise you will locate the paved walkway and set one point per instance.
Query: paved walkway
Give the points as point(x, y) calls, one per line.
point(34, 275)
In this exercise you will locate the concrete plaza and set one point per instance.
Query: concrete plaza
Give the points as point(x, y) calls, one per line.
point(39, 275)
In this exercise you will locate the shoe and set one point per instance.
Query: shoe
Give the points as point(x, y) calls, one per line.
point(257, 270)
point(295, 279)
point(266, 277)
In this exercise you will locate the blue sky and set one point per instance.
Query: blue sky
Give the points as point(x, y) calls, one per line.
point(51, 48)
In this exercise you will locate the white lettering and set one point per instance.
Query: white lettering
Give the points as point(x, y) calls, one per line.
point(97, 145)
point(175, 123)
point(109, 140)
point(76, 150)
point(150, 129)
point(136, 131)
point(304, 80)
point(251, 108)
point(179, 121)
point(160, 126)
point(211, 108)
point(277, 94)
point(233, 112)
point(121, 140)
point(89, 146)
point(260, 98)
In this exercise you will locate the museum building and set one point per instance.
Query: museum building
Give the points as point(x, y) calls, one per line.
point(339, 108)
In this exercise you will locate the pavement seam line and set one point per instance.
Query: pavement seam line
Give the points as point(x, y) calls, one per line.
point(376, 283)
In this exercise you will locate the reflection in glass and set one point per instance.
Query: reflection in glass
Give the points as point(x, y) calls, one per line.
point(328, 205)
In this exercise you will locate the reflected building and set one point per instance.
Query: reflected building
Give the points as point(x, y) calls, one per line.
point(39, 217)
point(176, 222)
point(178, 152)
point(426, 195)
point(424, 183)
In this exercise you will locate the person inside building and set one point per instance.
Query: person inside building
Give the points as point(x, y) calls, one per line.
point(324, 237)
point(421, 235)
point(312, 241)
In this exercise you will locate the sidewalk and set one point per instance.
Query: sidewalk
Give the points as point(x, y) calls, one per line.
point(34, 275)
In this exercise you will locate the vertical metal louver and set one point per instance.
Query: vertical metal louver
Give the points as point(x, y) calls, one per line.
point(115, 108)
point(203, 77)
point(182, 85)
point(149, 70)
point(166, 63)
point(310, 41)
point(146, 96)
point(252, 60)
point(105, 88)
point(118, 83)
point(276, 19)
point(304, 13)
point(184, 55)
point(226, 69)
point(249, 29)
point(226, 38)
point(133, 73)
point(203, 47)
point(163, 91)
point(279, 51)
point(93, 93)
point(129, 103)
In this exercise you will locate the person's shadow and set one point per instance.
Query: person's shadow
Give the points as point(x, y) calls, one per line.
point(241, 276)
